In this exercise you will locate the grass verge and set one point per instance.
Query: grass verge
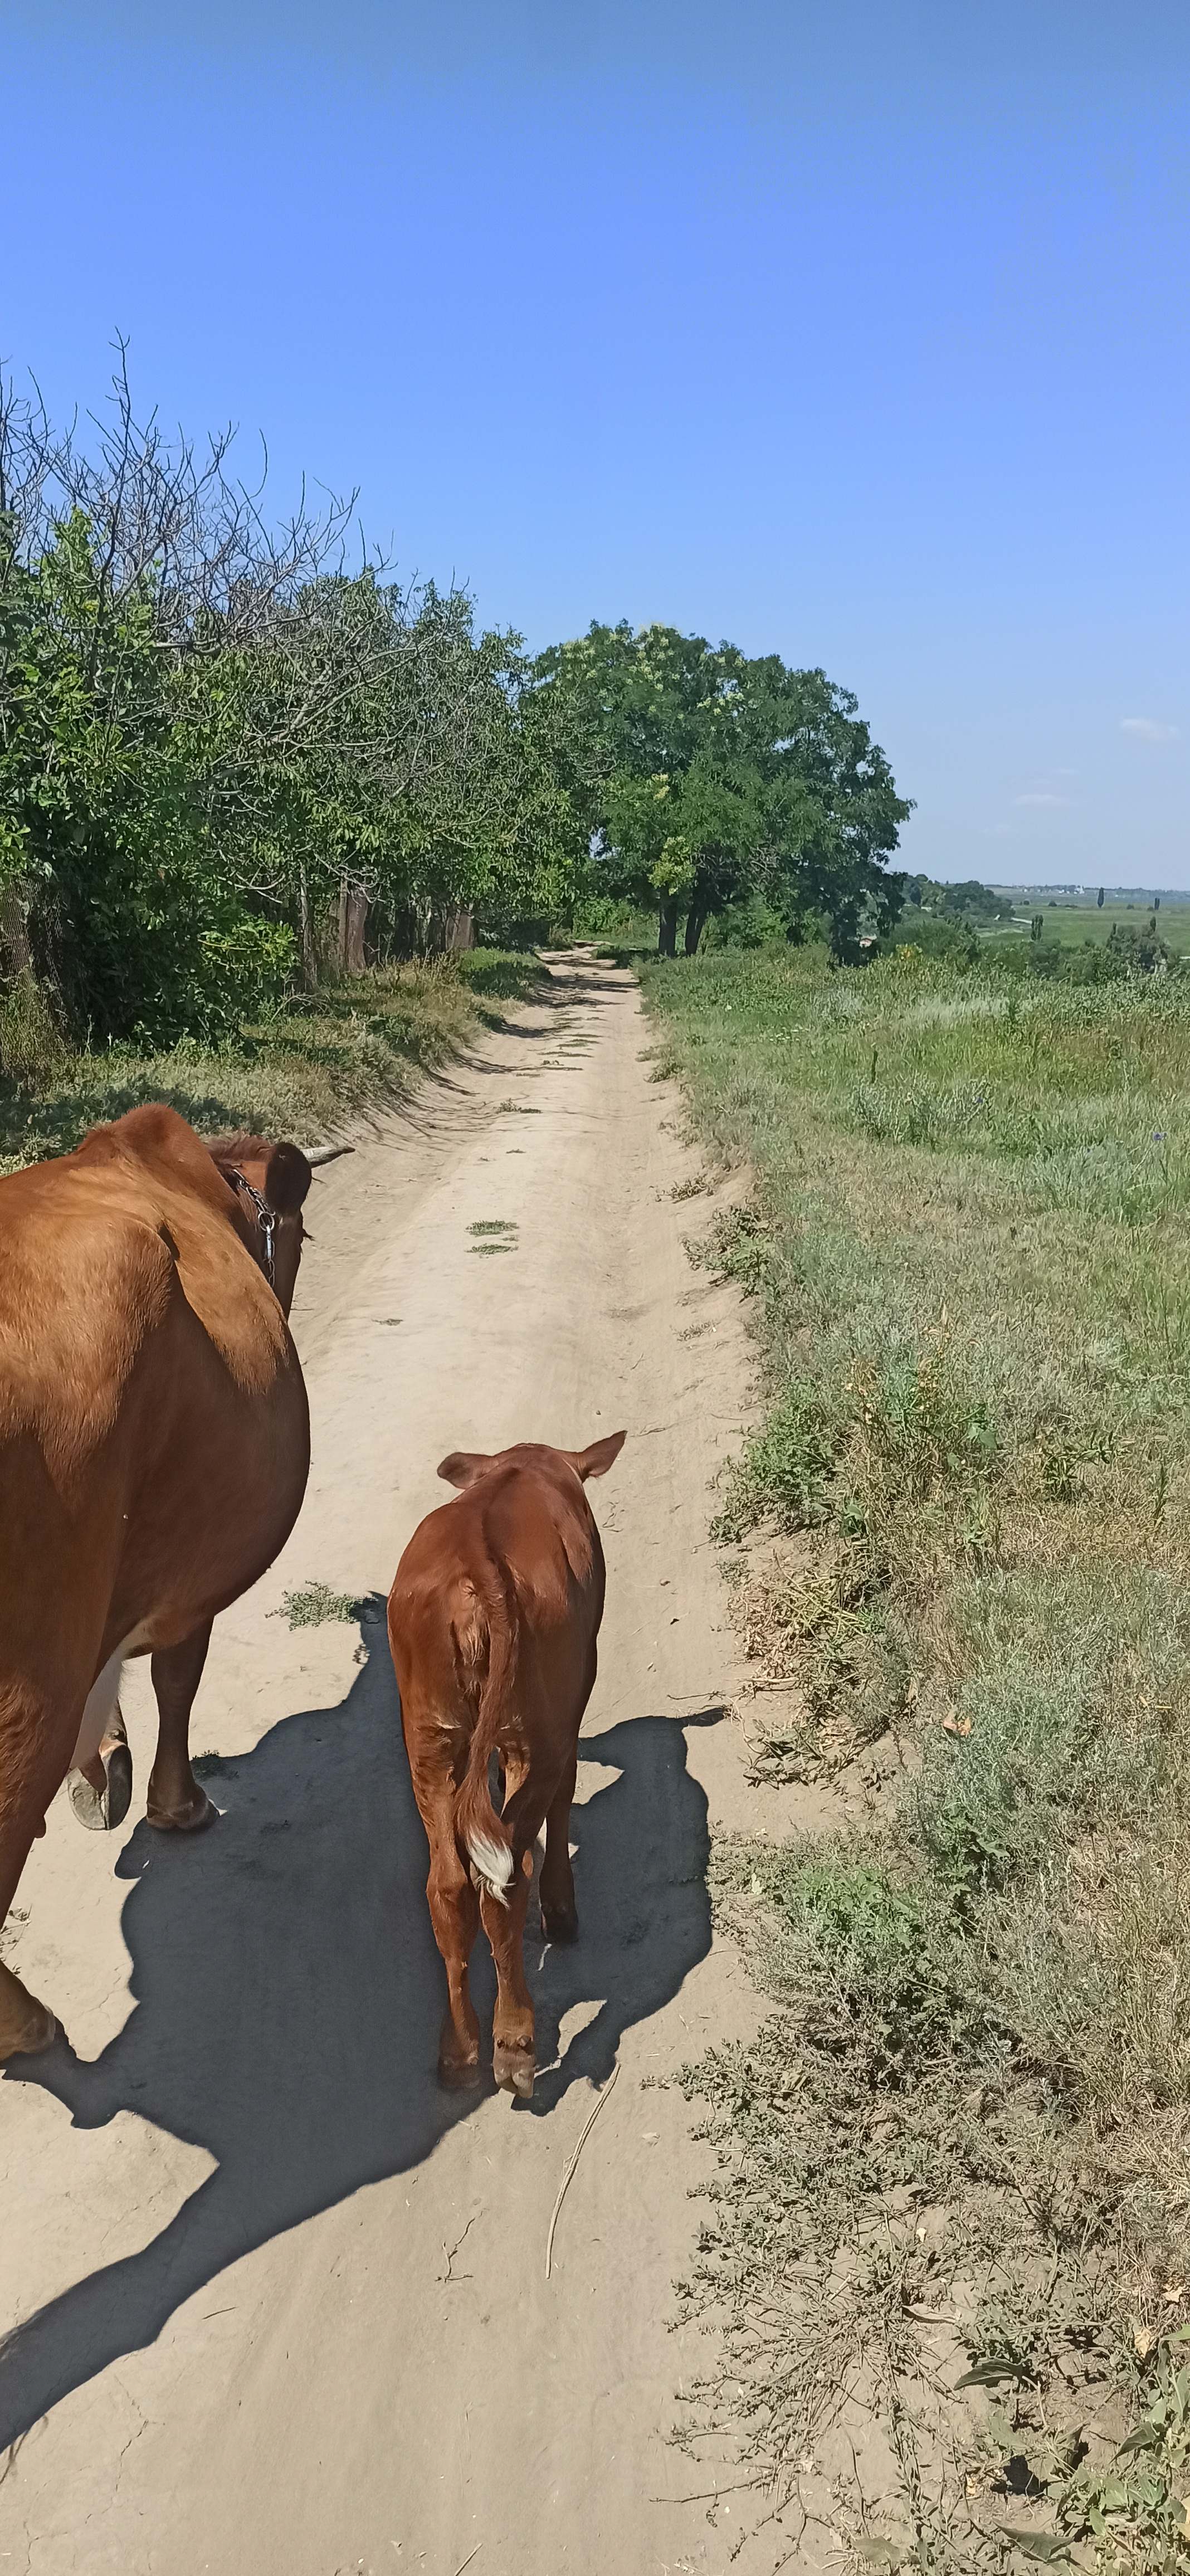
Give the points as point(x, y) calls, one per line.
point(336, 1055)
point(951, 2237)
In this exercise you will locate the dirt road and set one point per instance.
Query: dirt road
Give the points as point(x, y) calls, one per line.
point(283, 2306)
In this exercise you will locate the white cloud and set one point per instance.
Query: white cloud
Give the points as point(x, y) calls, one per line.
point(1040, 796)
point(992, 830)
point(1146, 729)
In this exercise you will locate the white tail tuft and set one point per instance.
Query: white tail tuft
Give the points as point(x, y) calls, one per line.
point(492, 1863)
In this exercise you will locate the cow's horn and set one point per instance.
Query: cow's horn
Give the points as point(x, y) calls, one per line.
point(316, 1154)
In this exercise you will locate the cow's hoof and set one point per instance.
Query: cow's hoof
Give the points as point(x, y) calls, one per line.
point(514, 2069)
point(101, 1810)
point(183, 1820)
point(558, 1925)
point(459, 2074)
point(37, 2029)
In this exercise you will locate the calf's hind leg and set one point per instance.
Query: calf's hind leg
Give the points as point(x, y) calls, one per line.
point(175, 1802)
point(559, 1916)
point(513, 2059)
point(454, 1913)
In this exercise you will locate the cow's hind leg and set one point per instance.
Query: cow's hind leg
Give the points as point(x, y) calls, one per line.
point(33, 1757)
point(25, 2024)
point(175, 1802)
point(454, 1913)
point(100, 1775)
point(101, 1789)
point(559, 1915)
point(513, 2060)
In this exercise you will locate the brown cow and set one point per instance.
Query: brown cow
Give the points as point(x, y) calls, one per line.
point(154, 1448)
point(492, 1620)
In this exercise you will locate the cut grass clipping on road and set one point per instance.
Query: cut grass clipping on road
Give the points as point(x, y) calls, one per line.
point(322, 1060)
point(316, 1605)
point(495, 1234)
point(951, 2233)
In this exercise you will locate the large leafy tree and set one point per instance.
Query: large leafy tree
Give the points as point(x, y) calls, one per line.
point(703, 775)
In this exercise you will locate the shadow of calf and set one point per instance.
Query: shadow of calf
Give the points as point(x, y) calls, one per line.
point(641, 1849)
point(288, 1994)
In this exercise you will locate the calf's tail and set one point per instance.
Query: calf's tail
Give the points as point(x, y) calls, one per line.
point(481, 1834)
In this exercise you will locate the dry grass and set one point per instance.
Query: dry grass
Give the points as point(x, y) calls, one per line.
point(304, 1073)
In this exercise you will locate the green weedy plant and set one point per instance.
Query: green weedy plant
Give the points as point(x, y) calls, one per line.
point(1134, 2506)
point(925, 1428)
point(783, 1472)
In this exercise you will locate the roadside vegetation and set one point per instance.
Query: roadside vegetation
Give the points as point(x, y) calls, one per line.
point(306, 1070)
point(951, 2235)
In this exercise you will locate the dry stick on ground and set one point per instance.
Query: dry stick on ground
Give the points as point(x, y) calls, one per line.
point(568, 2176)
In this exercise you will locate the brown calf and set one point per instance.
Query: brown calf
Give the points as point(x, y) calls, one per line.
point(492, 1620)
point(154, 1447)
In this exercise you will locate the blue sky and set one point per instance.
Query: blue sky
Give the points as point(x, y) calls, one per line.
point(858, 334)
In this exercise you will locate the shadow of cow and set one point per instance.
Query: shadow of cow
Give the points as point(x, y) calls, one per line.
point(288, 1995)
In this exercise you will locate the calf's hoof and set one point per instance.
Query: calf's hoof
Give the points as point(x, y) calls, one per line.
point(101, 1810)
point(459, 2074)
point(513, 2066)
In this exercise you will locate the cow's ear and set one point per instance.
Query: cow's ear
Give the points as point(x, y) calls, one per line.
point(287, 1178)
point(601, 1455)
point(463, 1466)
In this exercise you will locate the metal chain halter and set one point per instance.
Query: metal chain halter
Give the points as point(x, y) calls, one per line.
point(266, 1217)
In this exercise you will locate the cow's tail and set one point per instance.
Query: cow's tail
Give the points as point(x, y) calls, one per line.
point(481, 1834)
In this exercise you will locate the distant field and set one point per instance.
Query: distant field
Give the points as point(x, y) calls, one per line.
point(1072, 919)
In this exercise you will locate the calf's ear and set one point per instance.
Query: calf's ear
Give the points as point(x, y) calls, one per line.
point(601, 1455)
point(463, 1466)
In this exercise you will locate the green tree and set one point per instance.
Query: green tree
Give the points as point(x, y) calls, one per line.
point(702, 776)
point(121, 904)
point(832, 807)
point(222, 753)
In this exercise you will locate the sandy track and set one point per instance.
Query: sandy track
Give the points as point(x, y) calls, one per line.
point(282, 2305)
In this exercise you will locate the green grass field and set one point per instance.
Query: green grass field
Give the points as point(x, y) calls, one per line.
point(961, 1538)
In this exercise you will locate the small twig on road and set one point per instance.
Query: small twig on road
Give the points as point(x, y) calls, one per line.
point(711, 2495)
point(467, 2561)
point(450, 2253)
point(567, 2177)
